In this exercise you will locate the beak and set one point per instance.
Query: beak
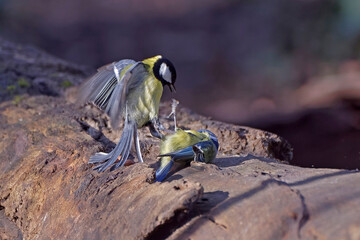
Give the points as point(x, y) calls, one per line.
point(172, 88)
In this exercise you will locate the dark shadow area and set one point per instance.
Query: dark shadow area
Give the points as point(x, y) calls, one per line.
point(233, 200)
point(321, 138)
point(174, 176)
point(264, 184)
point(328, 205)
point(224, 162)
point(320, 177)
point(228, 203)
point(97, 135)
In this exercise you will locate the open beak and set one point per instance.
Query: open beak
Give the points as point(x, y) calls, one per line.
point(172, 88)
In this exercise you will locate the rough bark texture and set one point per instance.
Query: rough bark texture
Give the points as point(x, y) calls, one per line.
point(49, 191)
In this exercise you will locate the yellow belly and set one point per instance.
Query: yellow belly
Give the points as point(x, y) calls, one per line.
point(143, 102)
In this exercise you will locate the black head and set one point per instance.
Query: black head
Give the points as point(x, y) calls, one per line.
point(165, 71)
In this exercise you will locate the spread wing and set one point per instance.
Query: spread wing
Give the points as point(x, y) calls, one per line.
point(109, 87)
point(101, 83)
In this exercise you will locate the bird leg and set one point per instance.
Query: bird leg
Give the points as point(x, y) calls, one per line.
point(154, 127)
point(199, 154)
point(173, 111)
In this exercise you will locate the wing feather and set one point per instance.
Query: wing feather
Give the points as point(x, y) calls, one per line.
point(99, 87)
point(184, 154)
point(190, 152)
point(133, 77)
point(109, 93)
point(162, 172)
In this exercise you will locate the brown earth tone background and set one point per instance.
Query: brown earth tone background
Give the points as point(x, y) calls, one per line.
point(289, 67)
point(48, 191)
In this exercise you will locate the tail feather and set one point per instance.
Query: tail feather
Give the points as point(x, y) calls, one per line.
point(122, 148)
point(125, 152)
point(100, 157)
point(118, 150)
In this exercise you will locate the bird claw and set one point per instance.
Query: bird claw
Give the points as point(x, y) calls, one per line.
point(154, 130)
point(156, 126)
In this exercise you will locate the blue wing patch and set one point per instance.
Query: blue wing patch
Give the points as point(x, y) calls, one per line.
point(161, 173)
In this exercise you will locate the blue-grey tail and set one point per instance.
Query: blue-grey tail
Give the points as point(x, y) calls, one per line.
point(100, 157)
point(162, 172)
point(121, 149)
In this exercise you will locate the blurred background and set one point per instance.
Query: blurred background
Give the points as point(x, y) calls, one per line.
point(289, 67)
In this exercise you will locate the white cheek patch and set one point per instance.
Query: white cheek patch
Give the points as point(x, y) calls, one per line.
point(165, 72)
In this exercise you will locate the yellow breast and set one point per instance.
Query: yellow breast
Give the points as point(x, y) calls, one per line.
point(144, 101)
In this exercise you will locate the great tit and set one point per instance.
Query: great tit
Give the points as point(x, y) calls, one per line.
point(130, 91)
point(184, 146)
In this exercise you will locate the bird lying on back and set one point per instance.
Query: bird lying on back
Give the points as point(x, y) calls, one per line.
point(183, 146)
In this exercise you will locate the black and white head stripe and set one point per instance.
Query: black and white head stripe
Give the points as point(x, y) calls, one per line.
point(212, 137)
point(165, 71)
